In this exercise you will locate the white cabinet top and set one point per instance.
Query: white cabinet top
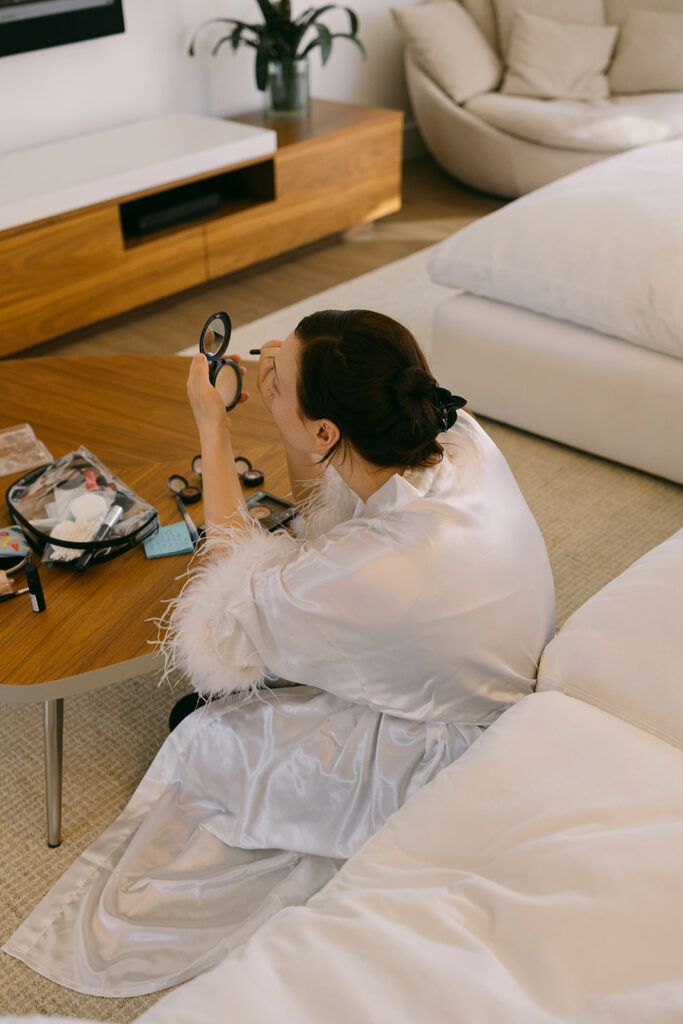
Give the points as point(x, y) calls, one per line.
point(53, 179)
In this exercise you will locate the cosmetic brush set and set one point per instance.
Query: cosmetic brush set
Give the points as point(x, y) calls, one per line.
point(76, 511)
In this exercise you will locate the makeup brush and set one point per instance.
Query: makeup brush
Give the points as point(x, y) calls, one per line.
point(112, 517)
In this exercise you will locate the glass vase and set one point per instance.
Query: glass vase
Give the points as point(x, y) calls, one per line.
point(287, 92)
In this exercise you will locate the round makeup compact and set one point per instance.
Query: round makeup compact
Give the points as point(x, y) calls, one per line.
point(249, 476)
point(224, 373)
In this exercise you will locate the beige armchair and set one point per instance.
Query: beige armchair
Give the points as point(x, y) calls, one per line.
point(510, 144)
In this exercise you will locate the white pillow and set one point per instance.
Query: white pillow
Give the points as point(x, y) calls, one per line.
point(623, 649)
point(649, 56)
point(586, 12)
point(602, 247)
point(558, 59)
point(447, 44)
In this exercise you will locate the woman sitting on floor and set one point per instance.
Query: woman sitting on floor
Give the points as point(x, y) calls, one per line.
point(411, 610)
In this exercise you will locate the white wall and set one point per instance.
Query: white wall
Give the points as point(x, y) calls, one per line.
point(52, 94)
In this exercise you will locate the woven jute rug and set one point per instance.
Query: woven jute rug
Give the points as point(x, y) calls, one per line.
point(596, 517)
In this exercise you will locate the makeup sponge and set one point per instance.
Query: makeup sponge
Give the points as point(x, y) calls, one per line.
point(88, 506)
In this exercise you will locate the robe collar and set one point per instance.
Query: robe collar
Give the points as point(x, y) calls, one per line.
point(399, 489)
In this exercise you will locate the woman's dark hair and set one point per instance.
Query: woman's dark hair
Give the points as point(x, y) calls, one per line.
point(366, 373)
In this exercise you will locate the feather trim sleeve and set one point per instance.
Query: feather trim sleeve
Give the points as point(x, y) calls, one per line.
point(331, 502)
point(206, 631)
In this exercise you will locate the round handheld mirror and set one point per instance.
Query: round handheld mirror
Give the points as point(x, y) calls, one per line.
point(216, 334)
point(224, 373)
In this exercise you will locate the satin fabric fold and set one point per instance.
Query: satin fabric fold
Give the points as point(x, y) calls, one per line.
point(202, 855)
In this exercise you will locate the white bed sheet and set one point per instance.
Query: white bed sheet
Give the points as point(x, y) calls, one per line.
point(536, 880)
point(563, 381)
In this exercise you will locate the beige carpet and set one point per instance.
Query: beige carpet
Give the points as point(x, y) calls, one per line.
point(402, 289)
point(596, 517)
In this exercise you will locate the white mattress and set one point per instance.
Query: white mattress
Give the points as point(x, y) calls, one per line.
point(536, 880)
point(563, 381)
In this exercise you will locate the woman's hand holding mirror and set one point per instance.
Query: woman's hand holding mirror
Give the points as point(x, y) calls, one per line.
point(206, 401)
point(225, 373)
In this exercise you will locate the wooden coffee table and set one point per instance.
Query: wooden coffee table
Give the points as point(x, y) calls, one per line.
point(132, 413)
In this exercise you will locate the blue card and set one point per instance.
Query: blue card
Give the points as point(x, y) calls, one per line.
point(169, 540)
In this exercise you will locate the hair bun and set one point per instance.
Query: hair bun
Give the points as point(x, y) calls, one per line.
point(413, 386)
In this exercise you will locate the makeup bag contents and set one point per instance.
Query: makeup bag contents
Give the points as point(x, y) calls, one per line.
point(75, 510)
point(20, 449)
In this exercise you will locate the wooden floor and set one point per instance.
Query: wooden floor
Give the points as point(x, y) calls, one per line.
point(434, 206)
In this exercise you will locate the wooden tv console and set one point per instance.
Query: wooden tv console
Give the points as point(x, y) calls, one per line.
point(305, 180)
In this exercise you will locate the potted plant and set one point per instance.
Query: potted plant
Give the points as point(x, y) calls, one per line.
point(282, 45)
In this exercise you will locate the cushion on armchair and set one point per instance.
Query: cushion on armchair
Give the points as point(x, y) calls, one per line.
point(623, 649)
point(587, 12)
point(482, 12)
point(552, 59)
point(649, 55)
point(622, 122)
point(617, 11)
point(447, 44)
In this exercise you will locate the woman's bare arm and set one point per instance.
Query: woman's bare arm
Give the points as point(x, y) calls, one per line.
point(223, 501)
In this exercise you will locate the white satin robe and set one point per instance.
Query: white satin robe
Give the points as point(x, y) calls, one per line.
point(412, 620)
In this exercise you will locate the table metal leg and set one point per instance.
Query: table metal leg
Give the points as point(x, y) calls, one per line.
point(54, 723)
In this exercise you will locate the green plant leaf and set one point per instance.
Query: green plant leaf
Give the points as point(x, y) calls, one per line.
point(274, 45)
point(351, 39)
point(236, 37)
point(271, 14)
point(324, 41)
point(262, 60)
point(353, 19)
point(312, 14)
point(280, 38)
point(217, 21)
point(228, 39)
